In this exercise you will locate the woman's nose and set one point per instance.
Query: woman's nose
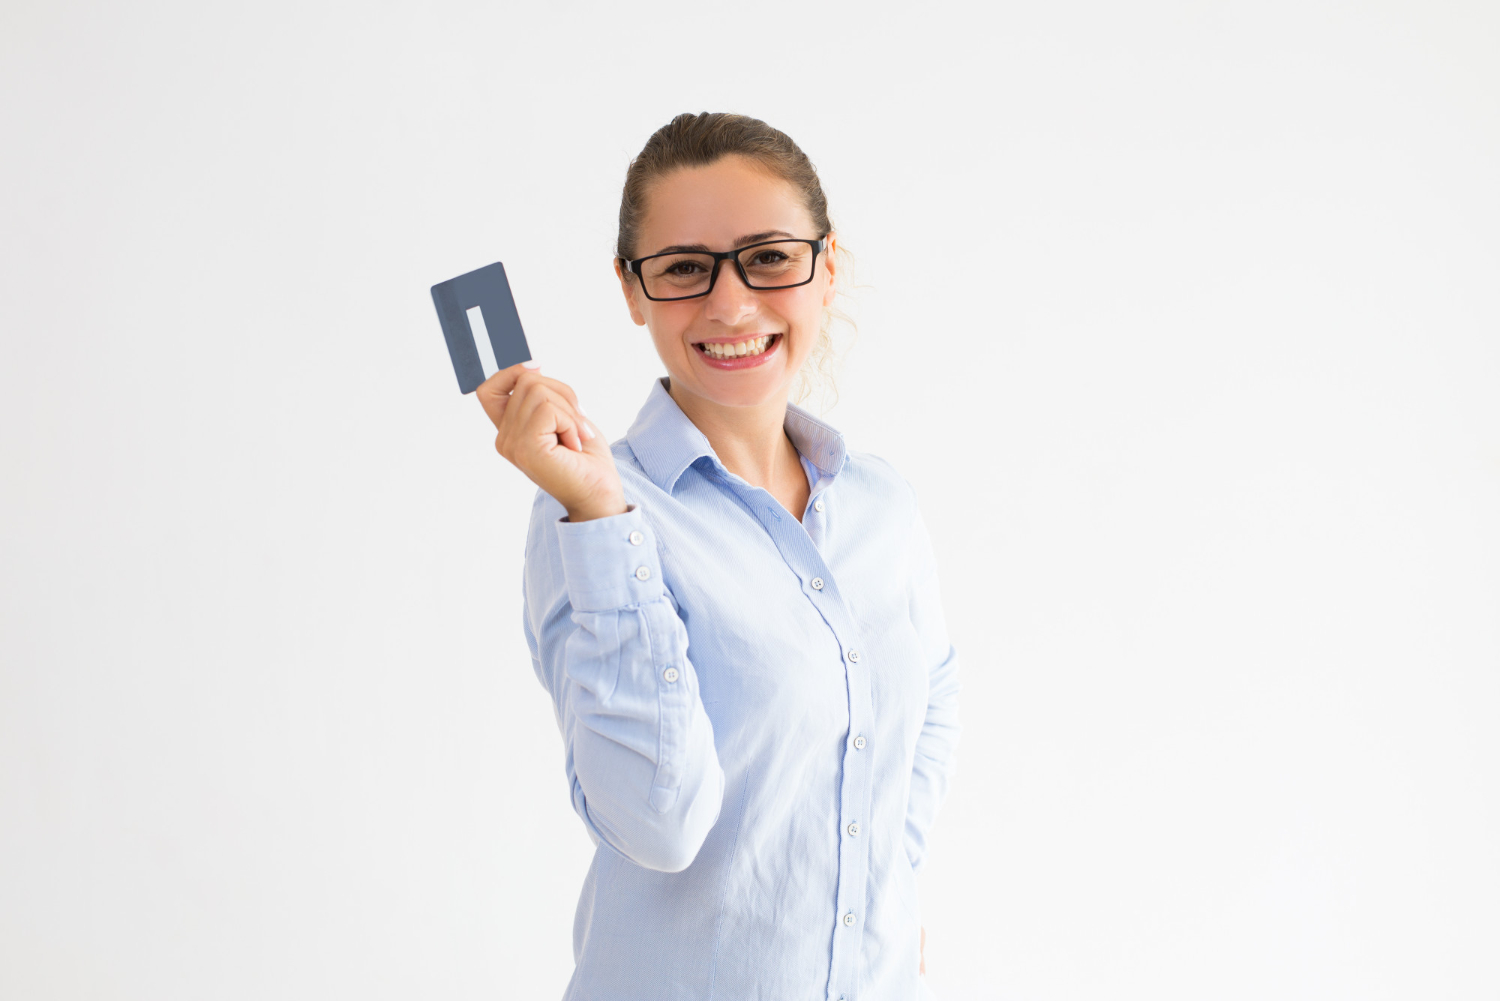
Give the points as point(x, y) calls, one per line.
point(731, 300)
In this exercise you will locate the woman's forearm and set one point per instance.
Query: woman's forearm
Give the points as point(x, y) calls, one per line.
point(639, 745)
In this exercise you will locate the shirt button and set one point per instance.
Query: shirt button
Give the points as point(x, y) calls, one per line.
point(817, 583)
point(849, 920)
point(642, 573)
point(636, 538)
point(859, 742)
point(853, 654)
point(818, 506)
point(670, 674)
point(853, 829)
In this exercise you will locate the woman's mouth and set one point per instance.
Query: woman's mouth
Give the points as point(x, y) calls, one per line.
point(744, 353)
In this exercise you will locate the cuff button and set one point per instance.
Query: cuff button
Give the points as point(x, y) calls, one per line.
point(642, 573)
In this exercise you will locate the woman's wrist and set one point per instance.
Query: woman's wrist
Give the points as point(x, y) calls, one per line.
point(590, 510)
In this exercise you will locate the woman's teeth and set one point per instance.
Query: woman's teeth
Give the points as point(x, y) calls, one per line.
point(739, 349)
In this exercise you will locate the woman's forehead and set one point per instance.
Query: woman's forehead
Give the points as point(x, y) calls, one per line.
point(718, 205)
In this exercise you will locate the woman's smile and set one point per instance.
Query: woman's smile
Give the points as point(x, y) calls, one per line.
point(737, 352)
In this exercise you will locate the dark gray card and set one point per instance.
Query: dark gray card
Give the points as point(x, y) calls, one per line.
point(487, 289)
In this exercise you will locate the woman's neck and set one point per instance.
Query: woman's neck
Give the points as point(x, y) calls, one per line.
point(752, 444)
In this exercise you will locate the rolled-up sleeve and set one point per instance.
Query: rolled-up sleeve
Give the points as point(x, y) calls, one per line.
point(609, 646)
point(934, 763)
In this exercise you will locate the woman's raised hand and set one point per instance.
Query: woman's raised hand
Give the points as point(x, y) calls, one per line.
point(540, 429)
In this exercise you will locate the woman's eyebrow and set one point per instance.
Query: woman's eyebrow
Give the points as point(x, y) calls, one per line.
point(702, 248)
point(685, 248)
point(757, 237)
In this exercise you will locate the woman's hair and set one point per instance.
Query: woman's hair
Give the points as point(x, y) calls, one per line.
point(699, 140)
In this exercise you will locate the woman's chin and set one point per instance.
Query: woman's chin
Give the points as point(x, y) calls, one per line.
point(744, 388)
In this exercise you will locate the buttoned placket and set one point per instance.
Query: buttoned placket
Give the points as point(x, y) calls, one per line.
point(796, 545)
point(814, 517)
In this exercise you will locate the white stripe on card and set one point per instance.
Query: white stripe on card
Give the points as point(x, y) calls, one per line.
point(482, 342)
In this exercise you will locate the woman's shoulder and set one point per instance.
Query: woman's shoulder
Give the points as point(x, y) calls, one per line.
point(871, 490)
point(868, 471)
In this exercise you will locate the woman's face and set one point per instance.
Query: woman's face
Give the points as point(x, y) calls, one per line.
point(728, 204)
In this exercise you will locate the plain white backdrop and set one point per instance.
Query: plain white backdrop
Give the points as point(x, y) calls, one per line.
point(1183, 319)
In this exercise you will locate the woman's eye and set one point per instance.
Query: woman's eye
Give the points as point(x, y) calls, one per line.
point(769, 257)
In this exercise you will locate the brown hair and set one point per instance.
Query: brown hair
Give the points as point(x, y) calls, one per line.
point(699, 140)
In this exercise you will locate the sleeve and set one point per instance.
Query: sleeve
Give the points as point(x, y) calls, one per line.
point(934, 763)
point(607, 643)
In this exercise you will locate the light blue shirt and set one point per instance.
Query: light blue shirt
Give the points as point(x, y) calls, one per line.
point(758, 720)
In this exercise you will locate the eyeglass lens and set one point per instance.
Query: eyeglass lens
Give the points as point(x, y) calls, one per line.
point(767, 265)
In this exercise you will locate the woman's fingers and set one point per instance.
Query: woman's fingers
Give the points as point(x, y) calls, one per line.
point(537, 415)
point(540, 429)
point(494, 408)
point(568, 426)
point(565, 392)
point(494, 393)
point(500, 389)
point(534, 416)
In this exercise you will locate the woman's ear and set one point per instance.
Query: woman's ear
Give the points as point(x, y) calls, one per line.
point(829, 262)
point(628, 286)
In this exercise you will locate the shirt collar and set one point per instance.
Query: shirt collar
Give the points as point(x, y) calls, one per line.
point(666, 443)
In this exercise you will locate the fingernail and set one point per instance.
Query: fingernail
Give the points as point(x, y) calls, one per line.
point(588, 430)
point(533, 365)
point(582, 411)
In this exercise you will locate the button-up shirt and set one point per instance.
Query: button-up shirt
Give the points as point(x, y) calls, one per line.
point(758, 718)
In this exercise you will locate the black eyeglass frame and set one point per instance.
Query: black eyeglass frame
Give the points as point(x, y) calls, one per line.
point(819, 245)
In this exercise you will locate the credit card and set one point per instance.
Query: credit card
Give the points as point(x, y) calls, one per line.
point(487, 290)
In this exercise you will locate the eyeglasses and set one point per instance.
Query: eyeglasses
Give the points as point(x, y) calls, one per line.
point(686, 275)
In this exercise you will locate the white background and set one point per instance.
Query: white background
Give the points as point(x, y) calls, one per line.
point(1184, 320)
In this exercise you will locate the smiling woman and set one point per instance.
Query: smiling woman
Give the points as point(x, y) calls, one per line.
point(736, 616)
point(701, 140)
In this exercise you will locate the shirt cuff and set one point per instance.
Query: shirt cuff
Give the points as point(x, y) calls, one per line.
point(610, 562)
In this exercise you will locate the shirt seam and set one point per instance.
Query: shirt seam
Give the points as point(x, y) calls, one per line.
point(734, 847)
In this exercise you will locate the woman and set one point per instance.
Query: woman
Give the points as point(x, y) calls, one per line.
point(737, 619)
